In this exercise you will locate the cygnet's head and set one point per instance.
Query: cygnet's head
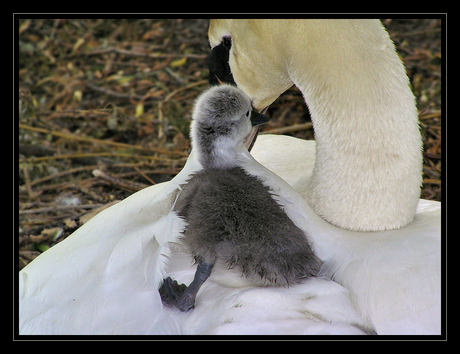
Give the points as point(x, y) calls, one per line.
point(222, 118)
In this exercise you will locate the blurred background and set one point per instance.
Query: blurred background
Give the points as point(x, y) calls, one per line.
point(105, 105)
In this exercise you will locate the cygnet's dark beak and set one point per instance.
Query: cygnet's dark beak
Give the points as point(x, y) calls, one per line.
point(258, 118)
point(250, 140)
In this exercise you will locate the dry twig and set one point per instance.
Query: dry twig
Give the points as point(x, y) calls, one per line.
point(102, 142)
point(58, 208)
point(123, 184)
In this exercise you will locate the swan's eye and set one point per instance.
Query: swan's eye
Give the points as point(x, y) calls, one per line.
point(227, 42)
point(248, 113)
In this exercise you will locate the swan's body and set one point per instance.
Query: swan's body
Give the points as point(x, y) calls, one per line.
point(104, 278)
point(110, 270)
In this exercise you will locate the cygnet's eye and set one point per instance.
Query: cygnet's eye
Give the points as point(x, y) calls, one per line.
point(248, 113)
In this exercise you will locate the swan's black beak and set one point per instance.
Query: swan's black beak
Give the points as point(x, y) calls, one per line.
point(258, 118)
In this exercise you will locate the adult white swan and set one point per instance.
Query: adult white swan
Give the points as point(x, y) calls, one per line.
point(364, 170)
point(104, 278)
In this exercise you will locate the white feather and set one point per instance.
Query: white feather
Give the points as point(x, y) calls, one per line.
point(394, 276)
point(104, 278)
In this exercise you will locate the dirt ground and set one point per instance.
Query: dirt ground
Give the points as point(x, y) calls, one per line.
point(104, 111)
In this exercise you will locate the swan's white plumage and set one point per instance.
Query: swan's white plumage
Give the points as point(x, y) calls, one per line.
point(394, 276)
point(112, 267)
point(95, 281)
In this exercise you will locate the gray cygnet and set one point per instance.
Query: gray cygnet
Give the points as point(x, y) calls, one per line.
point(232, 218)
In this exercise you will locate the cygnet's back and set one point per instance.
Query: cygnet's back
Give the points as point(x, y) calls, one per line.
point(232, 217)
point(233, 220)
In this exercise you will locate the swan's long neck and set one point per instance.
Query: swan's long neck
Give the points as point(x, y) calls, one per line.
point(367, 173)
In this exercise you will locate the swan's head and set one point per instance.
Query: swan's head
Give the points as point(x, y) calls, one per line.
point(251, 61)
point(222, 118)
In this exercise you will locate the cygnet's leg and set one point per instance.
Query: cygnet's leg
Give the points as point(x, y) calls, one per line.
point(181, 296)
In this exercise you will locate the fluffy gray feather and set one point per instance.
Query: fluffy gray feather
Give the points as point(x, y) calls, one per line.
point(221, 120)
point(233, 217)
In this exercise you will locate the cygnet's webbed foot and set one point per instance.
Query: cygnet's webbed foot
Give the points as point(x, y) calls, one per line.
point(171, 291)
point(174, 294)
point(178, 295)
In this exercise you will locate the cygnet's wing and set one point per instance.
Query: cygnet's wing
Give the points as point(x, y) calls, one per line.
point(104, 278)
